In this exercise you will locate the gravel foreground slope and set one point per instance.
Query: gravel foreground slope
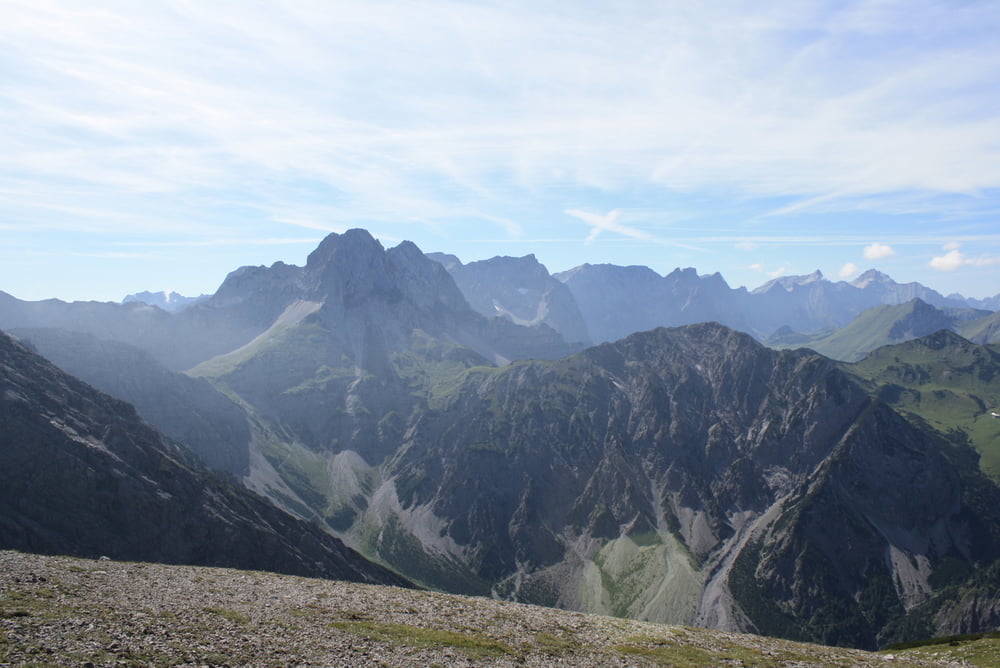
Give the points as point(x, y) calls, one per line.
point(64, 611)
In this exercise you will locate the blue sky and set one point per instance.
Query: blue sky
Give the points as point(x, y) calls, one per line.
point(159, 145)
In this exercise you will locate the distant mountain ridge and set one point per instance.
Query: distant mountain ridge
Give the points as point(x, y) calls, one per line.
point(349, 278)
point(617, 301)
point(886, 325)
point(168, 301)
point(589, 303)
point(519, 289)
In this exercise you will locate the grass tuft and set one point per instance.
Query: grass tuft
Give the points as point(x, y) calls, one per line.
point(474, 645)
point(230, 615)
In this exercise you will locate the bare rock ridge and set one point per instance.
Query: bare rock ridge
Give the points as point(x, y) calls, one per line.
point(81, 474)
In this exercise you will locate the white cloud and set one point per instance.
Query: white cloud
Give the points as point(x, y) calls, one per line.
point(848, 270)
point(954, 259)
point(757, 266)
point(877, 251)
point(952, 245)
point(950, 261)
point(747, 245)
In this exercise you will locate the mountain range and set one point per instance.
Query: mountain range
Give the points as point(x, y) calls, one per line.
point(442, 420)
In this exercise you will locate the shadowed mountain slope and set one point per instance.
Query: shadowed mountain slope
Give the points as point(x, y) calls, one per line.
point(189, 410)
point(81, 474)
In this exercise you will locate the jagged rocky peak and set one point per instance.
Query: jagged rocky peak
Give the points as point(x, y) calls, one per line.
point(353, 267)
point(688, 273)
point(871, 277)
point(790, 283)
point(689, 277)
point(355, 254)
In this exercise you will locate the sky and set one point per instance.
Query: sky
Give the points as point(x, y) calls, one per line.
point(158, 145)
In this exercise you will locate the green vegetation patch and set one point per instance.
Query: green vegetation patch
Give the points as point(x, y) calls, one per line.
point(944, 640)
point(976, 649)
point(553, 645)
point(25, 604)
point(476, 646)
point(699, 650)
point(230, 615)
point(666, 653)
point(947, 383)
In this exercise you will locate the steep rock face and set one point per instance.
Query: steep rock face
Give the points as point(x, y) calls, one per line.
point(81, 474)
point(870, 536)
point(678, 475)
point(186, 409)
point(520, 289)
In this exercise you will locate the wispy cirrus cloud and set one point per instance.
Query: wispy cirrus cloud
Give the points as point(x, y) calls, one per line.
point(394, 105)
point(456, 122)
point(608, 222)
